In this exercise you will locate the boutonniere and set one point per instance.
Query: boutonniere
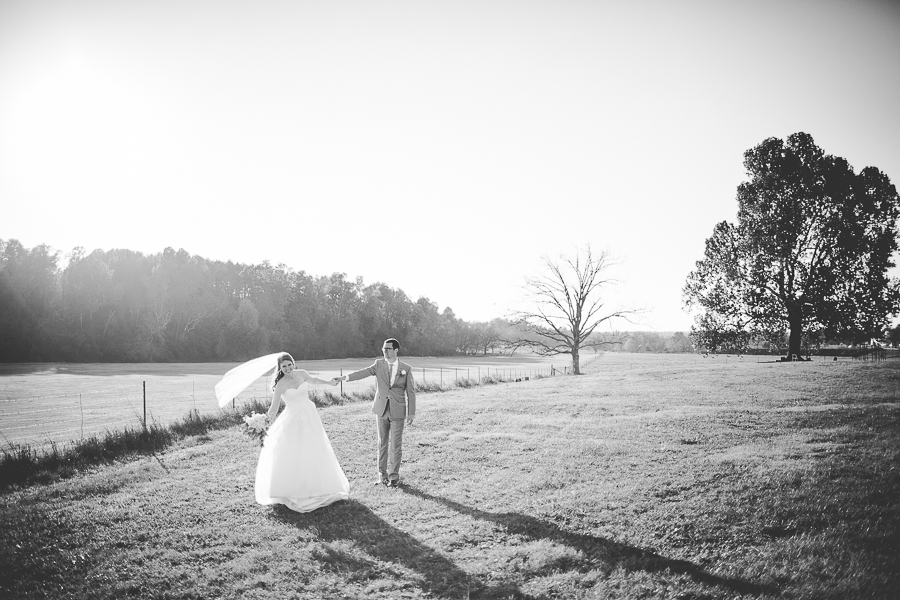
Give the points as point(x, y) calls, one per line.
point(402, 371)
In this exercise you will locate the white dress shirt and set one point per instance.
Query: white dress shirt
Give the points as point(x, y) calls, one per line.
point(392, 371)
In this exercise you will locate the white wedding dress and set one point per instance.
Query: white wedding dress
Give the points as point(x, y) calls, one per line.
point(297, 466)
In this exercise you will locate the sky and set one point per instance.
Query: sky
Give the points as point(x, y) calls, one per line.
point(442, 147)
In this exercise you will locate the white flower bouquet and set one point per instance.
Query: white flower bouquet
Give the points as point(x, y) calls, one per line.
point(255, 426)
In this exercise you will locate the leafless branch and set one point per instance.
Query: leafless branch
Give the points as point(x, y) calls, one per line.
point(569, 304)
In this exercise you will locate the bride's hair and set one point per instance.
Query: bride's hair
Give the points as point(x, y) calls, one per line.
point(278, 373)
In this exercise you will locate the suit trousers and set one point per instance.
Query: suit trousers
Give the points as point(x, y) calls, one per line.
point(390, 445)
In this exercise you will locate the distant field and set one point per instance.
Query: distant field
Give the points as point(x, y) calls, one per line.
point(61, 402)
point(42, 403)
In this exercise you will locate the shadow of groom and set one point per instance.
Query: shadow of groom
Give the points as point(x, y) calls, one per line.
point(598, 553)
point(380, 543)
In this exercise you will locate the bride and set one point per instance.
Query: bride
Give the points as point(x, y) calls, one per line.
point(297, 466)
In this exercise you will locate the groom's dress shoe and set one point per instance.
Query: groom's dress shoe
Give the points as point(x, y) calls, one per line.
point(394, 483)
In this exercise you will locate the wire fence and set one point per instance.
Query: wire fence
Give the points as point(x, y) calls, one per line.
point(452, 376)
point(67, 414)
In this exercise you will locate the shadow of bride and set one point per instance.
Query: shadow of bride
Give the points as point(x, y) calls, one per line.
point(596, 553)
point(378, 543)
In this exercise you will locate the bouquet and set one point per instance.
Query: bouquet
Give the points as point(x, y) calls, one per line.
point(255, 426)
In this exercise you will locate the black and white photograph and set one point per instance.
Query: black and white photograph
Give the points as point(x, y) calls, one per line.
point(450, 299)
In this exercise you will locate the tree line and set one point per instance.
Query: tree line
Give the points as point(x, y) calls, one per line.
point(808, 262)
point(125, 306)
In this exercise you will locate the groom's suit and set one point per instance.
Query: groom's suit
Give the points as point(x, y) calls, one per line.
point(394, 402)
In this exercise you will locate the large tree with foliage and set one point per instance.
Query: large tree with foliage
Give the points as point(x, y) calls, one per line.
point(568, 305)
point(810, 251)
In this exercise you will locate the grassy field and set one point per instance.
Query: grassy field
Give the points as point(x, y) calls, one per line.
point(653, 478)
point(42, 403)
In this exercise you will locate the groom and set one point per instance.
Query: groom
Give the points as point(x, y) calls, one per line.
point(394, 406)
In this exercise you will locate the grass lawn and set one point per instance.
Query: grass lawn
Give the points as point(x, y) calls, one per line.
point(690, 480)
point(46, 403)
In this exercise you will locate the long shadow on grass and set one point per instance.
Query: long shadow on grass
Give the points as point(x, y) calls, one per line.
point(599, 553)
point(383, 543)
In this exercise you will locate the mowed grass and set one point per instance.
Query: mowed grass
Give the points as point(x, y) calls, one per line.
point(662, 479)
point(42, 404)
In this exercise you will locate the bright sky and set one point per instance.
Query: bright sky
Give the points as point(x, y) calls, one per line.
point(441, 147)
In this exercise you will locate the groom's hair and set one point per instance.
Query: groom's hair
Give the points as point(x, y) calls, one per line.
point(394, 343)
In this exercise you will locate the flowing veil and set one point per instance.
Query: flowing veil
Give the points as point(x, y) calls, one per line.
point(237, 379)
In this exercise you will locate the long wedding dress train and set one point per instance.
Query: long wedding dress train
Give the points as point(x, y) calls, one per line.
point(297, 466)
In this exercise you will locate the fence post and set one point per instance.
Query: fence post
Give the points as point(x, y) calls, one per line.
point(342, 381)
point(442, 377)
point(145, 406)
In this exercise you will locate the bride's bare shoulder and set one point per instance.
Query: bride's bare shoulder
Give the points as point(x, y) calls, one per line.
point(296, 378)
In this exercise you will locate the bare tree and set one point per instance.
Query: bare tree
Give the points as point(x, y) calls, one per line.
point(568, 306)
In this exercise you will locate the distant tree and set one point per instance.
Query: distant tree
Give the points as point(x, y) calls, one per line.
point(86, 309)
point(336, 316)
point(632, 344)
point(243, 338)
point(642, 341)
point(489, 337)
point(130, 274)
point(375, 300)
point(893, 336)
point(774, 339)
point(269, 287)
point(430, 330)
point(811, 250)
point(679, 343)
point(714, 336)
point(448, 327)
point(568, 306)
point(28, 292)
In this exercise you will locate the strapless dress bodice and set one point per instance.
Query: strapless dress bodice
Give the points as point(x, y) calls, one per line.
point(295, 397)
